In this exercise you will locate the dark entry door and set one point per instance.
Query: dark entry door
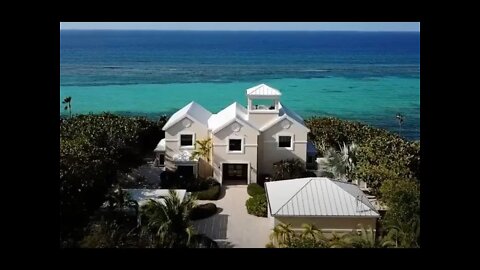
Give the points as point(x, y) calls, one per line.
point(185, 171)
point(235, 171)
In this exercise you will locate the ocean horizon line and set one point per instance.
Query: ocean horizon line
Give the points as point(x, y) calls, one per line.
point(190, 30)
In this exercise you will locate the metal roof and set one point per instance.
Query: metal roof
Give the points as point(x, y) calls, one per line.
point(263, 90)
point(234, 111)
point(284, 113)
point(318, 196)
point(192, 110)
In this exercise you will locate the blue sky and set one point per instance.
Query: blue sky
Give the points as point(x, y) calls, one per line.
point(253, 26)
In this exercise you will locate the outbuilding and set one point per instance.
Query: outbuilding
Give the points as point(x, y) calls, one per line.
point(330, 205)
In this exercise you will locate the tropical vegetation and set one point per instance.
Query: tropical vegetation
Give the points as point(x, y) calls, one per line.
point(257, 205)
point(68, 105)
point(288, 169)
point(378, 154)
point(93, 150)
point(341, 163)
point(387, 162)
point(203, 149)
point(283, 236)
point(255, 189)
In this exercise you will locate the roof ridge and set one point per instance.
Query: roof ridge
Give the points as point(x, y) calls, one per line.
point(372, 208)
point(295, 194)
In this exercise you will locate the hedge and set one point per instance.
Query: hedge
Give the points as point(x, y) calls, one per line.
point(255, 189)
point(257, 205)
point(203, 211)
point(211, 193)
point(381, 155)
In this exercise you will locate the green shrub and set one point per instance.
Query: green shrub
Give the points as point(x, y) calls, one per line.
point(203, 211)
point(402, 197)
point(328, 132)
point(288, 169)
point(212, 193)
point(257, 205)
point(255, 189)
point(381, 155)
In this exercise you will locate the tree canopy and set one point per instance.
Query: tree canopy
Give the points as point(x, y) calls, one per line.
point(93, 148)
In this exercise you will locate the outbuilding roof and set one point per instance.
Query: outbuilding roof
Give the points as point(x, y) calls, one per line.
point(317, 196)
point(192, 110)
point(143, 196)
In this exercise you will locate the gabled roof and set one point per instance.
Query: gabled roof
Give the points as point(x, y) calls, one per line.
point(263, 90)
point(160, 146)
point(284, 113)
point(234, 112)
point(192, 110)
point(317, 196)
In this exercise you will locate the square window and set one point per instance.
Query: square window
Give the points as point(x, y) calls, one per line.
point(285, 141)
point(235, 145)
point(186, 140)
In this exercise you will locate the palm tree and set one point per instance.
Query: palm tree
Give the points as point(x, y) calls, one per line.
point(120, 200)
point(68, 101)
point(405, 235)
point(366, 239)
point(281, 235)
point(169, 220)
point(342, 163)
point(400, 119)
point(310, 231)
point(203, 149)
point(338, 241)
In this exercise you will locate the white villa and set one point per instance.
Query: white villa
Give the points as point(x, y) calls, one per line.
point(246, 141)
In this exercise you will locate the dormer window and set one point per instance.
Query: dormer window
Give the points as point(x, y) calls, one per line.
point(235, 145)
point(187, 141)
point(285, 141)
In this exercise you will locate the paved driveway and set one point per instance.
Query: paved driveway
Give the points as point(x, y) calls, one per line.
point(233, 227)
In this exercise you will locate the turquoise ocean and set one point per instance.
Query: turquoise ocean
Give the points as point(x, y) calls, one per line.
point(369, 77)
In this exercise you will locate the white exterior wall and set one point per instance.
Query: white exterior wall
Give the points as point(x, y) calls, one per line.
point(248, 155)
point(260, 118)
point(271, 153)
point(172, 139)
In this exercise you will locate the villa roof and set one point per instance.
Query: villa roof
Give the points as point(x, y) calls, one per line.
point(192, 110)
point(234, 112)
point(160, 146)
point(263, 90)
point(317, 196)
point(284, 113)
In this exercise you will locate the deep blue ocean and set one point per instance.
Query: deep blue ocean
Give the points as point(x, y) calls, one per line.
point(365, 76)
